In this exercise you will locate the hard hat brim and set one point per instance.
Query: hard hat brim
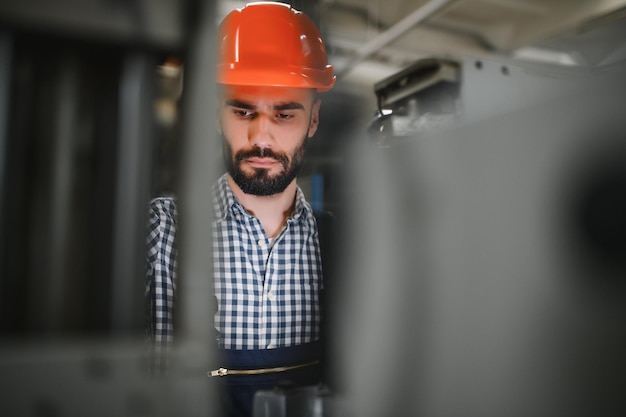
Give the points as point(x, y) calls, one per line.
point(320, 80)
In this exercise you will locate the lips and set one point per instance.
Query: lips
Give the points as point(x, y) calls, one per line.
point(262, 162)
point(261, 158)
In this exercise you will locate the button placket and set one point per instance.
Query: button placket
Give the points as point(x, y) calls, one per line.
point(261, 256)
point(270, 297)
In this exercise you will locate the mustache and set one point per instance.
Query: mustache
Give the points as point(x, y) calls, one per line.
point(261, 153)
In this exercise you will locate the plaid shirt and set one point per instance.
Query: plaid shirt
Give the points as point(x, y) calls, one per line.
point(160, 287)
point(267, 290)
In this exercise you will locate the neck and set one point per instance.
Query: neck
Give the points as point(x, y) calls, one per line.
point(272, 210)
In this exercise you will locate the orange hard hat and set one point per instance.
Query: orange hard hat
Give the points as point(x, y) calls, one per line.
point(268, 43)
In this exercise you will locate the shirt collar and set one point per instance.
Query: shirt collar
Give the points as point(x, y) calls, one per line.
point(223, 198)
point(224, 201)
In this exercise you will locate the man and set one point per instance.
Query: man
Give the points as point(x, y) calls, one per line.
point(267, 263)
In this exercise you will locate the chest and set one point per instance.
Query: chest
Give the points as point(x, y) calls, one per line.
point(244, 255)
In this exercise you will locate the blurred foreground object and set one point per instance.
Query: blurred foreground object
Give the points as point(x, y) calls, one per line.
point(486, 269)
point(80, 125)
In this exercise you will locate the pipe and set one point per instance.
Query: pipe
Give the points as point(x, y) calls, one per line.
point(417, 16)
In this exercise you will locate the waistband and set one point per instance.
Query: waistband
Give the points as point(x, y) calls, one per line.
point(266, 361)
point(268, 358)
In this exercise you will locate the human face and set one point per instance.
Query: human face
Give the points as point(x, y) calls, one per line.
point(265, 131)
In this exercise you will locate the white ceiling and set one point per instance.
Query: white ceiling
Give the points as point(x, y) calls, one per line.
point(369, 40)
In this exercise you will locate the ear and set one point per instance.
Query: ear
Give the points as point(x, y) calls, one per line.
point(315, 117)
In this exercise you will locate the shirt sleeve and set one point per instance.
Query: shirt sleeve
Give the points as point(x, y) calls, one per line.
point(160, 285)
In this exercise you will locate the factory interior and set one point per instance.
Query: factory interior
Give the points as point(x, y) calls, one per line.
point(473, 153)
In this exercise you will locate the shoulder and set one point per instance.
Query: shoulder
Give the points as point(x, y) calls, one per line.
point(164, 205)
point(162, 211)
point(161, 224)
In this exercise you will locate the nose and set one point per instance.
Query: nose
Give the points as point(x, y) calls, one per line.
point(260, 131)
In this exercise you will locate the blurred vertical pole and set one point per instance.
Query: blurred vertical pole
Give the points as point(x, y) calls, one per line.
point(132, 191)
point(196, 303)
point(5, 76)
point(317, 192)
point(62, 171)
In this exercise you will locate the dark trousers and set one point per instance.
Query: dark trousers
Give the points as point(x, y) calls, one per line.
point(236, 392)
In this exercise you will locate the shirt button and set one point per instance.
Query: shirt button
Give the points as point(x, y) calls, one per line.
point(262, 243)
point(238, 216)
point(270, 346)
point(270, 296)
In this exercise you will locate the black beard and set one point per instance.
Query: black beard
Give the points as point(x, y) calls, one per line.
point(260, 182)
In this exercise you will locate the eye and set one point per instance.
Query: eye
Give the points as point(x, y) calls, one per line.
point(243, 113)
point(284, 116)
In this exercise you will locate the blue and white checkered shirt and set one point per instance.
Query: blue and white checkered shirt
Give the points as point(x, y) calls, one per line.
point(267, 290)
point(160, 287)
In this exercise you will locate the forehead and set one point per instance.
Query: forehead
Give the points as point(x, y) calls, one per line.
point(269, 94)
